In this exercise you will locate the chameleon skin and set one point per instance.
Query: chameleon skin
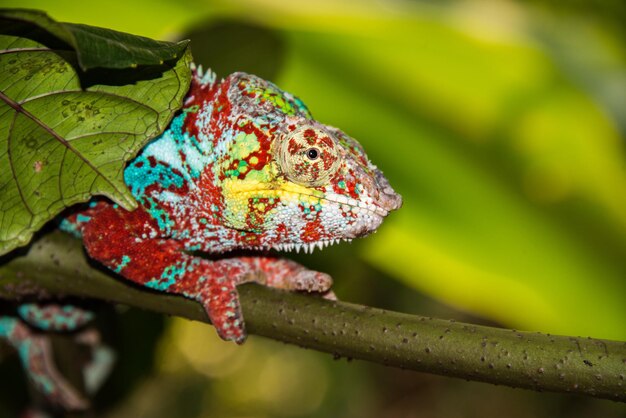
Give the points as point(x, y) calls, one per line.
point(53, 317)
point(244, 166)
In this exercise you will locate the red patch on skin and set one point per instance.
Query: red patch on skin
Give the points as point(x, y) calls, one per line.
point(265, 143)
point(327, 141)
point(329, 159)
point(256, 216)
point(350, 188)
point(282, 232)
point(183, 157)
point(190, 125)
point(293, 146)
point(268, 205)
point(111, 234)
point(222, 109)
point(209, 196)
point(199, 94)
point(313, 231)
point(310, 136)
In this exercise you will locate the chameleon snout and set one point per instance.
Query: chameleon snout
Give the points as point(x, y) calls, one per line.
point(388, 199)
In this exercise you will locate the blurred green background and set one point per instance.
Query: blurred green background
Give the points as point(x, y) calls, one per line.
point(502, 124)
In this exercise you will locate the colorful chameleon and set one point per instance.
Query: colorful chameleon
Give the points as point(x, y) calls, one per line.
point(243, 166)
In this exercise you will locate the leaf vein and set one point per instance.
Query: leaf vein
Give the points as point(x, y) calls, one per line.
point(12, 166)
point(18, 108)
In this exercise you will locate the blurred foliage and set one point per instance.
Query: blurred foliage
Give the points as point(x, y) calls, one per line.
point(502, 124)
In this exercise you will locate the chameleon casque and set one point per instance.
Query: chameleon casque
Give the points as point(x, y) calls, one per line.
point(243, 166)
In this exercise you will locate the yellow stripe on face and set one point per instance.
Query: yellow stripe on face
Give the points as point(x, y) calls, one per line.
point(238, 192)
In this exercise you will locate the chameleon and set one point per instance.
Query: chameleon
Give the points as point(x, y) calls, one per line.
point(243, 166)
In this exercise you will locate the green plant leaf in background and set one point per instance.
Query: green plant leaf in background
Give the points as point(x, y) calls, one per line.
point(66, 134)
point(99, 47)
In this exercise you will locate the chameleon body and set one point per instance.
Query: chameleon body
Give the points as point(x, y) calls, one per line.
point(244, 166)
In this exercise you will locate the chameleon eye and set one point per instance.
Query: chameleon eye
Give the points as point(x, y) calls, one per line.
point(308, 156)
point(313, 154)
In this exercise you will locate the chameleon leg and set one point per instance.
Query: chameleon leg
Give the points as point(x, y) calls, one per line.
point(35, 353)
point(121, 241)
point(289, 275)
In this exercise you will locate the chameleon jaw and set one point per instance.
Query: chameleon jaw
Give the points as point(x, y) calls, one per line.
point(306, 247)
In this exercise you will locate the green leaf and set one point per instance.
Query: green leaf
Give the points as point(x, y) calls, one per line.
point(99, 47)
point(66, 136)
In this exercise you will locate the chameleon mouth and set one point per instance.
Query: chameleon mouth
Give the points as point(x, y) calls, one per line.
point(354, 205)
point(358, 206)
point(307, 247)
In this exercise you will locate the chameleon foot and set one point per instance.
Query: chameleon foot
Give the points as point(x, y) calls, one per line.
point(218, 280)
point(311, 281)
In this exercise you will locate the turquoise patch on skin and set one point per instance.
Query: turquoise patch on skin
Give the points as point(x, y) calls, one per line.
point(168, 148)
point(7, 324)
point(140, 178)
point(42, 381)
point(168, 277)
point(72, 317)
point(160, 284)
point(122, 264)
point(71, 228)
point(161, 216)
point(74, 228)
point(83, 218)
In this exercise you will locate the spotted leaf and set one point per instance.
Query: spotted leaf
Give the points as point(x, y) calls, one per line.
point(66, 134)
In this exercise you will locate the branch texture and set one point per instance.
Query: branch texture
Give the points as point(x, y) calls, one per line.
point(55, 265)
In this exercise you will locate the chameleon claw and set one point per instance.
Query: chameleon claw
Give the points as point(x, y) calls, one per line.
point(311, 281)
point(330, 295)
point(221, 303)
point(231, 330)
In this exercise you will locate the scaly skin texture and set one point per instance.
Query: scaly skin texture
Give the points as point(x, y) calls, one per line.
point(244, 166)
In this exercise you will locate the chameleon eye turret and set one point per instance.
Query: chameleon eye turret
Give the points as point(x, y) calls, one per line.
point(308, 156)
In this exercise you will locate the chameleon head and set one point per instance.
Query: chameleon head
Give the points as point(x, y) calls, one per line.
point(290, 182)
